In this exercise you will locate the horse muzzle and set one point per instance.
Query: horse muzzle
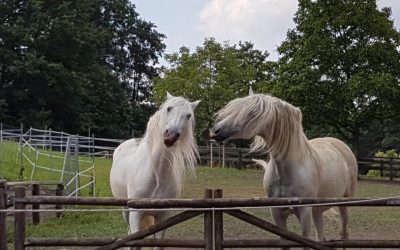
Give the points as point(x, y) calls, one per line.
point(216, 134)
point(170, 139)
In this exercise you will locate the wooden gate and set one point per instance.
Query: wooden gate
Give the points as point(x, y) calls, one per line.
point(213, 207)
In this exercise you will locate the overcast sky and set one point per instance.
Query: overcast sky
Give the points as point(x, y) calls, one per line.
point(263, 22)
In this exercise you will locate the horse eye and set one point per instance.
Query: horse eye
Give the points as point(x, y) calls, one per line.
point(188, 116)
point(169, 109)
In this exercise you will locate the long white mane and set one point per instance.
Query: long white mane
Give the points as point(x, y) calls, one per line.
point(279, 121)
point(183, 155)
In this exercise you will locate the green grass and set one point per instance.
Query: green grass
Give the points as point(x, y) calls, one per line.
point(365, 222)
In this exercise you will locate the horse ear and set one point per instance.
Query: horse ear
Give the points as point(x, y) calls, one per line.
point(194, 104)
point(299, 115)
point(169, 96)
point(251, 91)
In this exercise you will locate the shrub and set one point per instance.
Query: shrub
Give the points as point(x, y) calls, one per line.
point(376, 173)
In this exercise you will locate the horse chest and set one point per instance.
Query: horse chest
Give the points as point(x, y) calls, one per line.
point(297, 183)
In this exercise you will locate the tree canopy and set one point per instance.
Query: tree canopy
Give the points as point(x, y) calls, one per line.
point(341, 65)
point(76, 64)
point(215, 73)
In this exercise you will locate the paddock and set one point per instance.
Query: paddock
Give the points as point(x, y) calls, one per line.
point(205, 210)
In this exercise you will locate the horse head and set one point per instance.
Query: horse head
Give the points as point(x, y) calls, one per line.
point(178, 118)
point(237, 119)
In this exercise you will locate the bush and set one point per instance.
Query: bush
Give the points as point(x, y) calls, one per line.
point(377, 173)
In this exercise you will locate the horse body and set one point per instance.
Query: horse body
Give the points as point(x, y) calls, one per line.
point(154, 166)
point(322, 167)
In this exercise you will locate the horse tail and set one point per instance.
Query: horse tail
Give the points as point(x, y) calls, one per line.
point(262, 163)
point(125, 214)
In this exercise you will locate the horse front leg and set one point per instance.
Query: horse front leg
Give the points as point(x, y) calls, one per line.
point(304, 214)
point(162, 216)
point(318, 219)
point(135, 219)
point(280, 218)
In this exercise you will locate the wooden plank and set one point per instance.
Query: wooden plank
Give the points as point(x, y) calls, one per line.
point(28, 183)
point(259, 202)
point(52, 242)
point(19, 218)
point(59, 192)
point(62, 200)
point(255, 243)
point(35, 215)
point(208, 223)
point(368, 167)
point(218, 223)
point(3, 216)
point(152, 229)
point(276, 230)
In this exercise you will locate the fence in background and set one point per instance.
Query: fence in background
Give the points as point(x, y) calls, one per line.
point(217, 155)
point(70, 158)
point(47, 155)
point(387, 167)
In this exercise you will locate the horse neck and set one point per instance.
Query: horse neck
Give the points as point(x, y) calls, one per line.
point(297, 150)
point(158, 154)
point(163, 160)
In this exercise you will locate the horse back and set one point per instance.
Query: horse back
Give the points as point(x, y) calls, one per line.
point(336, 162)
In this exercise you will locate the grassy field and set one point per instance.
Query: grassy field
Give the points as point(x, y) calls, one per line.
point(365, 223)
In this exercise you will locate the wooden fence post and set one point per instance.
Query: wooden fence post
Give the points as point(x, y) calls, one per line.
point(35, 215)
point(223, 154)
point(19, 218)
point(211, 153)
point(208, 223)
point(219, 155)
point(218, 224)
point(59, 192)
point(3, 215)
point(391, 169)
point(239, 159)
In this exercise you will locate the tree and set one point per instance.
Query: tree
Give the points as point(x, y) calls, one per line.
point(341, 65)
point(72, 65)
point(215, 73)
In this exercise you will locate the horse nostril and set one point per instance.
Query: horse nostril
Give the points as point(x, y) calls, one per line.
point(217, 131)
point(166, 131)
point(177, 135)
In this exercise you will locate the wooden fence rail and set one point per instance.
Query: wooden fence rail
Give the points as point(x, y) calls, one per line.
point(213, 207)
point(383, 164)
point(219, 155)
point(36, 188)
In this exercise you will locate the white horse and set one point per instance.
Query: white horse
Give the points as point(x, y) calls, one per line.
point(154, 166)
point(322, 167)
